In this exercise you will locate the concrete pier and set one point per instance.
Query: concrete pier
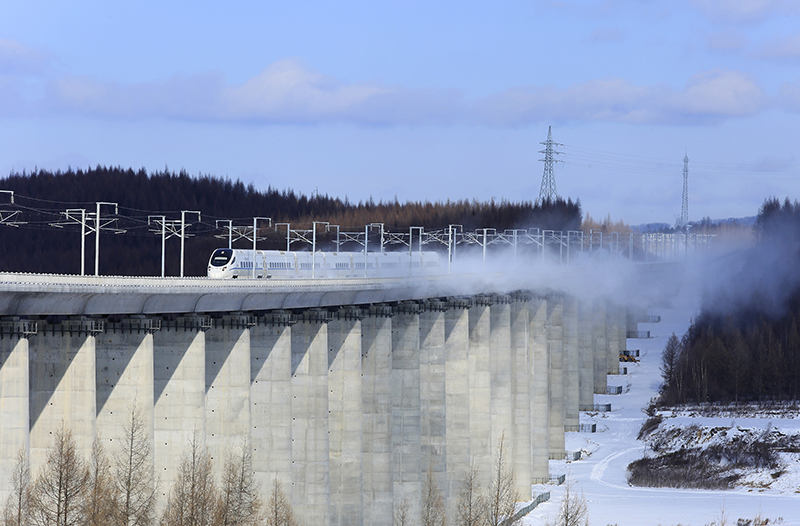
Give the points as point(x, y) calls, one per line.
point(62, 381)
point(612, 338)
point(539, 399)
point(124, 354)
point(481, 446)
point(14, 398)
point(555, 350)
point(227, 387)
point(518, 440)
point(459, 456)
point(600, 346)
point(502, 376)
point(310, 491)
point(179, 382)
point(433, 445)
point(585, 354)
point(571, 363)
point(348, 407)
point(271, 399)
point(344, 417)
point(376, 363)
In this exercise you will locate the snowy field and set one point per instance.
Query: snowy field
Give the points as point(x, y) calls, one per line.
point(601, 476)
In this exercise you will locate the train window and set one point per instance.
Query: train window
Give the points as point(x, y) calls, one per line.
point(221, 257)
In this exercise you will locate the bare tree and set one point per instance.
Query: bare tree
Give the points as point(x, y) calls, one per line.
point(133, 475)
point(193, 498)
point(470, 508)
point(239, 503)
point(279, 511)
point(432, 512)
point(402, 514)
point(60, 489)
point(573, 511)
point(101, 499)
point(18, 506)
point(501, 498)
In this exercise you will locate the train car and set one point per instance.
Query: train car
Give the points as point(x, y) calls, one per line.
point(232, 263)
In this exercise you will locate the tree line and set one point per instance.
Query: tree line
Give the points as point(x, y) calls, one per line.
point(41, 196)
point(745, 344)
point(121, 490)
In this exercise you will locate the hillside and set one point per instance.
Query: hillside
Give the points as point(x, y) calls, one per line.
point(43, 241)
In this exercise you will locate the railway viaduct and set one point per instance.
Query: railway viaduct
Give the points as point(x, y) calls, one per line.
point(346, 391)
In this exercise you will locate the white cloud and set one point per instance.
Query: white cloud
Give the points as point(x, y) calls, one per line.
point(708, 97)
point(789, 96)
point(284, 92)
point(747, 11)
point(727, 41)
point(720, 94)
point(782, 48)
point(16, 58)
point(605, 35)
point(288, 92)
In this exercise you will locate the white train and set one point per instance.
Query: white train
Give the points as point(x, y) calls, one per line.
point(231, 263)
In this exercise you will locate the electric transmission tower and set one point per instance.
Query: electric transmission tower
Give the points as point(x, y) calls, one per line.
point(548, 189)
point(684, 220)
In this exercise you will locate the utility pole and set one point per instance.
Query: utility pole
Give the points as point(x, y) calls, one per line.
point(183, 231)
point(547, 191)
point(98, 226)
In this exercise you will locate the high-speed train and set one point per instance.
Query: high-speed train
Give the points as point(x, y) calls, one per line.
point(231, 263)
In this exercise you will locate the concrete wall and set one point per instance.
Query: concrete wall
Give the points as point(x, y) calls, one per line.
point(347, 408)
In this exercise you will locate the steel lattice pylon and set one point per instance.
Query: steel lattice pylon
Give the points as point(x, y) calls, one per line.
point(685, 202)
point(548, 189)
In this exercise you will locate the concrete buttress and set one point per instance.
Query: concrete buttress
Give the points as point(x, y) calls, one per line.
point(555, 344)
point(376, 363)
point(520, 440)
point(612, 338)
point(310, 447)
point(406, 424)
point(62, 379)
point(433, 446)
point(585, 354)
point(14, 403)
point(124, 353)
point(344, 406)
point(540, 391)
point(271, 399)
point(571, 364)
point(459, 457)
point(227, 387)
point(480, 389)
point(179, 380)
point(600, 346)
point(500, 356)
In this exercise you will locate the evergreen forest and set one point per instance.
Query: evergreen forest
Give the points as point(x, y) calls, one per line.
point(39, 236)
point(745, 344)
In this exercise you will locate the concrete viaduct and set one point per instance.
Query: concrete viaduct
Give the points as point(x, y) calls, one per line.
point(346, 391)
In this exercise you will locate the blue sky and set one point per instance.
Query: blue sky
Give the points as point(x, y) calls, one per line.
point(418, 100)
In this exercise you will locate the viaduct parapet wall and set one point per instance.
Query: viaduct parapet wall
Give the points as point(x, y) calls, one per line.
point(349, 407)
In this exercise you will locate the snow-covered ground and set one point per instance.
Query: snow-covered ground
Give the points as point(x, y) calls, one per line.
point(601, 476)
